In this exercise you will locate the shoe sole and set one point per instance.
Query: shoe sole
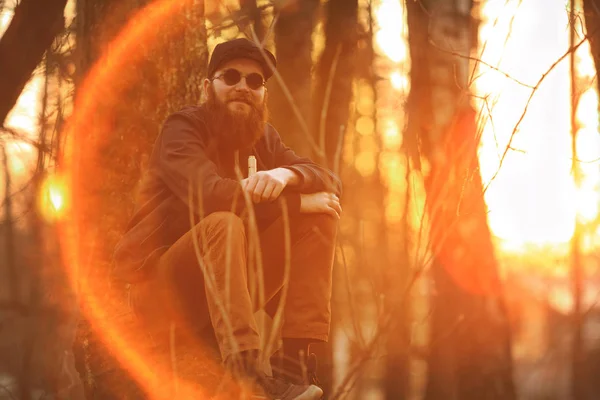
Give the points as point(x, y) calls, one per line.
point(312, 393)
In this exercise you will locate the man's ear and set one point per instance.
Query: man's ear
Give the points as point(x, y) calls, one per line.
point(205, 87)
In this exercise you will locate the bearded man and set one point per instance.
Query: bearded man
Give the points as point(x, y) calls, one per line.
point(189, 251)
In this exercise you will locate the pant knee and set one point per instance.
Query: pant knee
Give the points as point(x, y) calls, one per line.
point(221, 224)
point(323, 226)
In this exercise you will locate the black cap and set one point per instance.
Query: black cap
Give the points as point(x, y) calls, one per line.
point(239, 48)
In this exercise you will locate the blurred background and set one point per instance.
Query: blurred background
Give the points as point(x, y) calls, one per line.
point(466, 135)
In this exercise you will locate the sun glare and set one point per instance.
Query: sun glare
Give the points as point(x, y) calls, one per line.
point(52, 198)
point(388, 38)
point(56, 198)
point(532, 199)
point(530, 191)
point(399, 81)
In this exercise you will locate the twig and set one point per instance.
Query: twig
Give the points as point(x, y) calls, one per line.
point(337, 159)
point(471, 58)
point(25, 139)
point(577, 356)
point(278, 318)
point(327, 98)
point(290, 98)
point(351, 302)
point(533, 92)
point(384, 327)
point(235, 17)
point(208, 278)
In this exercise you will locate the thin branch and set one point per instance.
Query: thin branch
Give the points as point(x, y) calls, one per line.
point(290, 98)
point(471, 58)
point(19, 136)
point(234, 18)
point(533, 92)
point(328, 87)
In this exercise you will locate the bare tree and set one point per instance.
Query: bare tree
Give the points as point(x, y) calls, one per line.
point(162, 77)
point(31, 31)
point(334, 73)
point(469, 355)
point(293, 46)
point(591, 10)
point(253, 15)
point(578, 367)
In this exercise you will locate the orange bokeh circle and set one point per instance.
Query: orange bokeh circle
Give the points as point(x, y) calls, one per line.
point(124, 49)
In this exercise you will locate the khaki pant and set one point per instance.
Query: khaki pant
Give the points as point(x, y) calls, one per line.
point(179, 292)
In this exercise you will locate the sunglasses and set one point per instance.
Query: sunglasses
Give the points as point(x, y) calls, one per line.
point(232, 77)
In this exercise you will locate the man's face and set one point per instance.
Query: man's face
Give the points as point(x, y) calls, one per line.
point(242, 96)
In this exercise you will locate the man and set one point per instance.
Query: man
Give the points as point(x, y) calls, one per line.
point(190, 249)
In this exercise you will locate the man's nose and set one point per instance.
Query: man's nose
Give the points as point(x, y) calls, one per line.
point(242, 85)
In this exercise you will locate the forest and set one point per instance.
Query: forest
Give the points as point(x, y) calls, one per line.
point(466, 134)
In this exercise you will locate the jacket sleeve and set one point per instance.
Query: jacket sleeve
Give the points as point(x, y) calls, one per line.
point(183, 165)
point(314, 177)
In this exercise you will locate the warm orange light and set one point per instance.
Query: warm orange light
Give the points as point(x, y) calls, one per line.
point(56, 198)
point(399, 81)
point(52, 198)
point(388, 37)
point(391, 40)
point(532, 199)
point(391, 138)
point(77, 237)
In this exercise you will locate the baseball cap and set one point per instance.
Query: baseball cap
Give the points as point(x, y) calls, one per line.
point(239, 48)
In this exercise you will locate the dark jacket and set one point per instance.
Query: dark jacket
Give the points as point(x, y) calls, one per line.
point(187, 155)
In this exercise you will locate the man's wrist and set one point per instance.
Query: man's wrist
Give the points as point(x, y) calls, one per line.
point(292, 178)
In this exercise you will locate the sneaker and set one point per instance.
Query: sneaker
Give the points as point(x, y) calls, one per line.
point(311, 370)
point(273, 388)
point(290, 371)
point(244, 368)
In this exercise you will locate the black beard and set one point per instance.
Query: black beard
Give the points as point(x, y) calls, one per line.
point(236, 131)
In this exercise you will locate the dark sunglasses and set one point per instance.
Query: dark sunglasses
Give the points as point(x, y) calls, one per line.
point(232, 77)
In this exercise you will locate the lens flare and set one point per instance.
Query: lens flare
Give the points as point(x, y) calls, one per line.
point(52, 198)
point(103, 88)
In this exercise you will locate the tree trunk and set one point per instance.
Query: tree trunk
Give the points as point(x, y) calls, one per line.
point(253, 15)
point(157, 74)
point(30, 33)
point(330, 112)
point(591, 9)
point(469, 354)
point(293, 47)
point(334, 74)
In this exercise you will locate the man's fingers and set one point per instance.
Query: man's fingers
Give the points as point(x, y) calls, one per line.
point(257, 194)
point(335, 204)
point(244, 183)
point(338, 207)
point(256, 197)
point(333, 212)
point(261, 188)
point(251, 183)
point(275, 194)
point(269, 192)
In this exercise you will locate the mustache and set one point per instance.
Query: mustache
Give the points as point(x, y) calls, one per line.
point(243, 98)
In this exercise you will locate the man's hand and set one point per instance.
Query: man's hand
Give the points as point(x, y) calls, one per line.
point(322, 202)
point(268, 185)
